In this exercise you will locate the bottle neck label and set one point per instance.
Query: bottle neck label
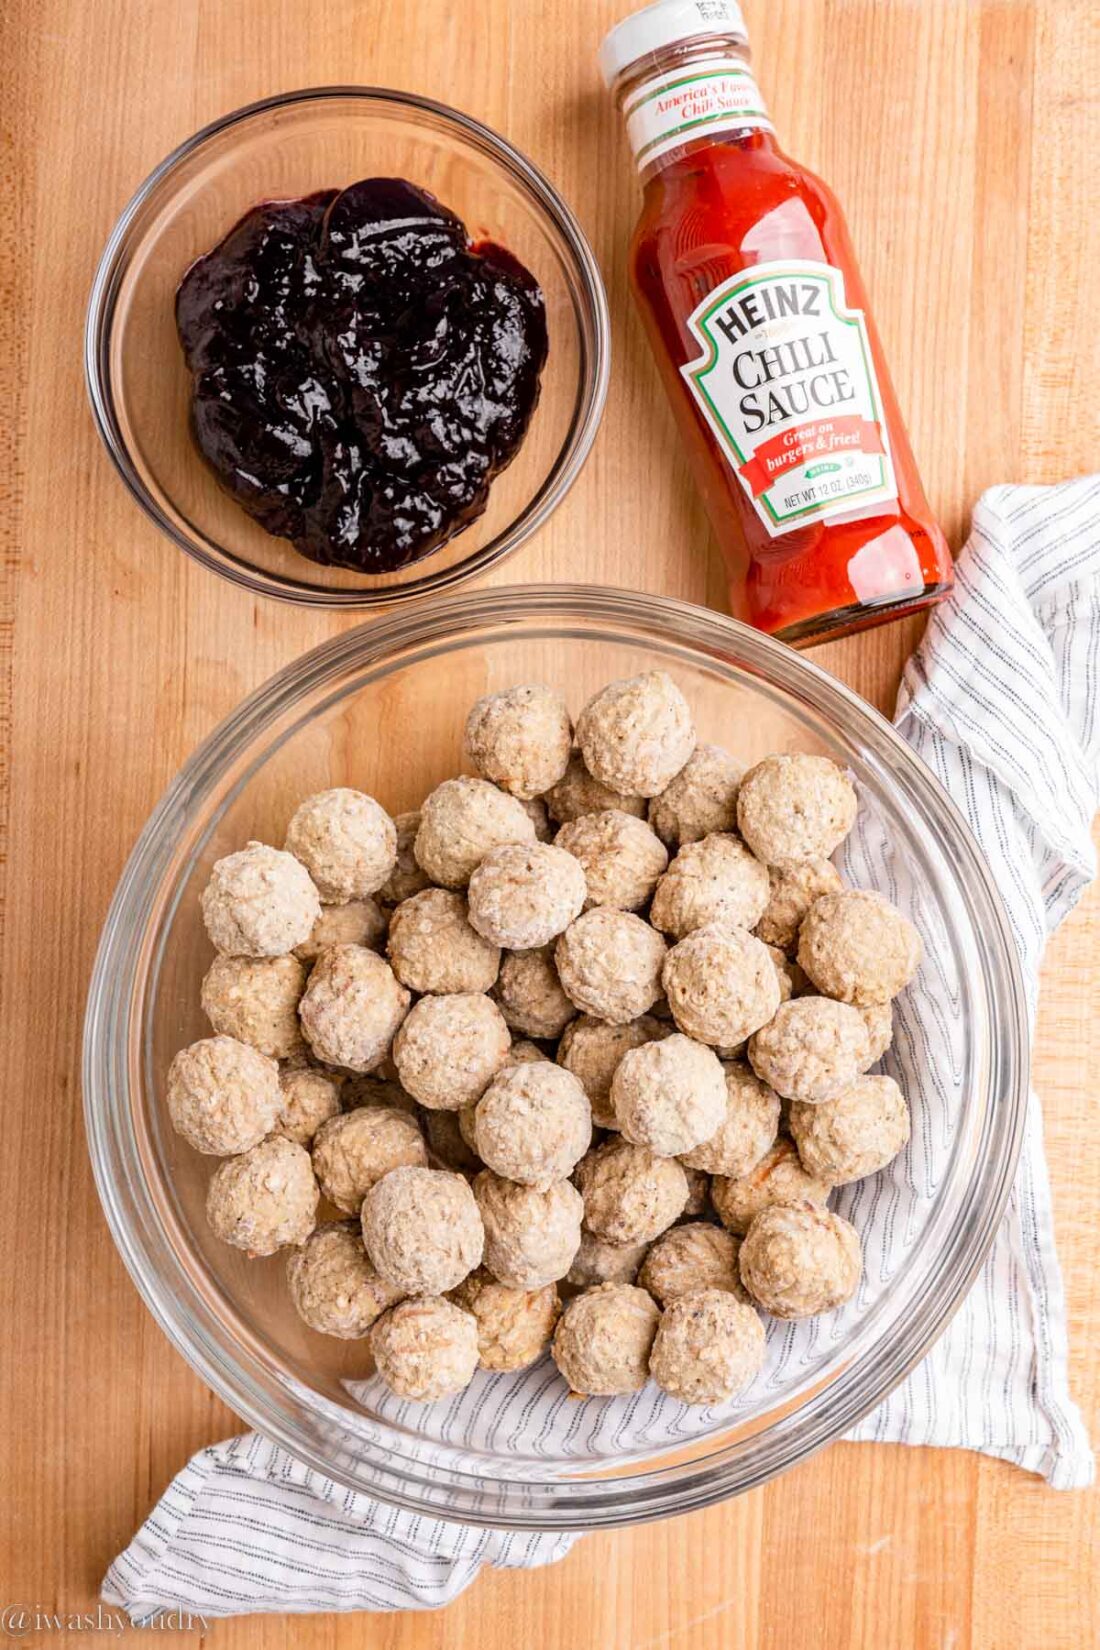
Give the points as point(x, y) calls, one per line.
point(700, 99)
point(786, 382)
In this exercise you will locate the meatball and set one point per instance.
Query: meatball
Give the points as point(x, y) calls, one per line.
point(577, 793)
point(794, 885)
point(357, 922)
point(353, 1151)
point(698, 1196)
point(310, 1098)
point(523, 1053)
point(713, 880)
point(721, 985)
point(630, 1195)
point(264, 1199)
point(520, 739)
point(855, 946)
point(223, 1096)
point(778, 1178)
point(797, 1261)
point(333, 1286)
point(748, 1128)
point(795, 806)
point(603, 1340)
point(407, 878)
point(810, 1049)
point(591, 1049)
point(425, 1349)
point(531, 1236)
point(375, 1091)
point(535, 809)
point(352, 1008)
point(637, 734)
point(514, 1326)
point(855, 1134)
point(597, 1261)
point(879, 1020)
point(450, 1048)
point(524, 894)
point(259, 902)
point(255, 1000)
point(708, 1347)
point(669, 1095)
point(433, 947)
point(460, 821)
point(530, 994)
point(687, 1258)
point(346, 841)
point(533, 1124)
point(448, 1147)
point(609, 963)
point(621, 856)
point(701, 800)
point(422, 1230)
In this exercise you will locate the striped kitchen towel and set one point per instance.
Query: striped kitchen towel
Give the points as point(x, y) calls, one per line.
point(1002, 701)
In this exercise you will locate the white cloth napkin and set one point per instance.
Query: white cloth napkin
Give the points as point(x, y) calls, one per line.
point(1002, 700)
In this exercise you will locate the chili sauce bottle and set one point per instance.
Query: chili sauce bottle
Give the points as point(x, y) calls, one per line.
point(744, 273)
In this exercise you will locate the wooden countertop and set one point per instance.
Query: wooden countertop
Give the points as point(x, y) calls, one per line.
point(964, 140)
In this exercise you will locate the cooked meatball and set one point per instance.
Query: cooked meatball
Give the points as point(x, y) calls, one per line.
point(353, 1151)
point(795, 806)
point(603, 1341)
point(622, 858)
point(577, 793)
point(721, 985)
point(854, 1134)
point(333, 1286)
point(520, 739)
point(407, 877)
point(591, 1049)
point(597, 1261)
point(264, 1199)
point(701, 799)
point(460, 821)
point(533, 1124)
point(259, 902)
point(691, 1257)
point(794, 886)
point(524, 894)
point(425, 1349)
point(223, 1096)
point(310, 1098)
point(352, 1008)
point(346, 841)
point(531, 1235)
point(855, 946)
point(778, 1178)
point(698, 1198)
point(637, 734)
point(450, 1048)
point(797, 1261)
point(810, 1049)
point(609, 963)
point(713, 880)
point(434, 948)
point(630, 1195)
point(448, 1147)
point(422, 1229)
point(748, 1128)
point(669, 1095)
point(514, 1326)
point(357, 922)
point(879, 1020)
point(535, 809)
point(255, 1000)
point(375, 1091)
point(530, 994)
point(708, 1347)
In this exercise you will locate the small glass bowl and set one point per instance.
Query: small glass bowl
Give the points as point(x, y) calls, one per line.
point(515, 1450)
point(289, 146)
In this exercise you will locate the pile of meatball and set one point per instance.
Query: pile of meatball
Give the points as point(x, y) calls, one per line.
point(571, 1057)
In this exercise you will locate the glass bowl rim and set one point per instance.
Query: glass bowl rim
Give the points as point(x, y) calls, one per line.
point(593, 325)
point(540, 1504)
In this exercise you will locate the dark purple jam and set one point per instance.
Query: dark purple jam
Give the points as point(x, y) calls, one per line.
point(360, 371)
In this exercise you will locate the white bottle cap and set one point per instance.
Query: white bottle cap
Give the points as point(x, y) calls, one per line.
point(663, 24)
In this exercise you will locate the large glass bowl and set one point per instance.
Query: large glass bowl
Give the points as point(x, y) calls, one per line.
point(382, 708)
point(290, 145)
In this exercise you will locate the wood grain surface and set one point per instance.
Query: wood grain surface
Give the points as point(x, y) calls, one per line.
point(965, 141)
